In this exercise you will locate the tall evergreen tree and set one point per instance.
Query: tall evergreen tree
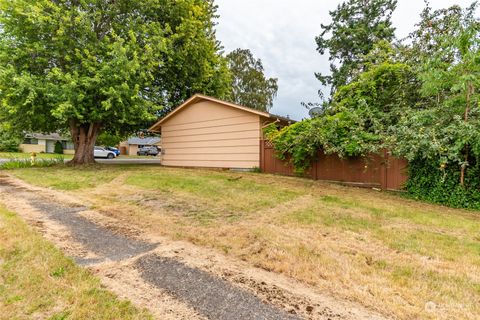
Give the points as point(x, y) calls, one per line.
point(357, 25)
point(250, 87)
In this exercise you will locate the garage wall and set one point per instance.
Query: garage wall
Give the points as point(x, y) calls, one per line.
point(50, 146)
point(132, 150)
point(209, 134)
point(29, 148)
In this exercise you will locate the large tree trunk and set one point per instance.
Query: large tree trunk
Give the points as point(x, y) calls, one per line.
point(84, 137)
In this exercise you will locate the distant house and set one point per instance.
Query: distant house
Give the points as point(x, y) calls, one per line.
point(131, 146)
point(207, 132)
point(45, 143)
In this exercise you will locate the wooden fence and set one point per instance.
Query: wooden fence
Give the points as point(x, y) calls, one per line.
point(376, 171)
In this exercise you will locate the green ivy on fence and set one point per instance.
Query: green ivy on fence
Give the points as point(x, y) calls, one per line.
point(432, 183)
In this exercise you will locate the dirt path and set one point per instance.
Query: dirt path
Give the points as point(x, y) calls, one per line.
point(174, 280)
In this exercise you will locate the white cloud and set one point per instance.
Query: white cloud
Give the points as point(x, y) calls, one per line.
point(282, 33)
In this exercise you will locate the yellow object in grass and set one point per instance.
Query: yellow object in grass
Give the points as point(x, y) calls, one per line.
point(33, 157)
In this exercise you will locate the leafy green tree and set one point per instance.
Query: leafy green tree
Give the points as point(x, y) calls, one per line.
point(357, 25)
point(110, 139)
point(250, 87)
point(192, 62)
point(9, 139)
point(447, 130)
point(425, 40)
point(102, 66)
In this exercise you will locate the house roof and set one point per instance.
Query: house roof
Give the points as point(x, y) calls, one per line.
point(144, 141)
point(199, 97)
point(49, 136)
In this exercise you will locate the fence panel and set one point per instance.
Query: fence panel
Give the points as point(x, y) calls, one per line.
point(396, 173)
point(270, 163)
point(378, 170)
point(363, 171)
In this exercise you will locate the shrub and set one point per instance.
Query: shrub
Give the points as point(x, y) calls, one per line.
point(8, 141)
point(433, 183)
point(9, 146)
point(58, 148)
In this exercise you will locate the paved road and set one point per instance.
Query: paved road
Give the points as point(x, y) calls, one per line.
point(129, 161)
point(150, 161)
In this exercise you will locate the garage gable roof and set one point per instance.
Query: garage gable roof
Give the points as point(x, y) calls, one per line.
point(49, 136)
point(199, 97)
point(143, 141)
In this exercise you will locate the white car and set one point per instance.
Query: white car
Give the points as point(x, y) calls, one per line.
point(100, 152)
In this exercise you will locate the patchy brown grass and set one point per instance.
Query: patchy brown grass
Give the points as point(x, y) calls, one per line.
point(403, 258)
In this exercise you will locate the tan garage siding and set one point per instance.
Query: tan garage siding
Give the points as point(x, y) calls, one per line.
point(214, 122)
point(214, 150)
point(29, 148)
point(209, 134)
point(232, 136)
point(218, 130)
point(213, 144)
point(132, 150)
point(212, 164)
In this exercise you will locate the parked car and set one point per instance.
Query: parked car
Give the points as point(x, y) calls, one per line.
point(114, 150)
point(148, 151)
point(100, 152)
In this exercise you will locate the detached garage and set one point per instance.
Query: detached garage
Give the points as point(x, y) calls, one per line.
point(207, 132)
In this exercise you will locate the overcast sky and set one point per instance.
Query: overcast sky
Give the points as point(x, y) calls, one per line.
point(282, 34)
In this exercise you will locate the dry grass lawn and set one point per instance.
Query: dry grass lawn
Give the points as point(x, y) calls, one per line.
point(406, 259)
point(38, 282)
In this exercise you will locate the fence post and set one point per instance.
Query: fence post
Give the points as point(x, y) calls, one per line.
point(262, 155)
point(385, 169)
point(315, 165)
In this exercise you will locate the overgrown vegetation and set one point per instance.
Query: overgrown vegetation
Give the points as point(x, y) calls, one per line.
point(440, 184)
point(360, 117)
point(392, 254)
point(418, 98)
point(38, 282)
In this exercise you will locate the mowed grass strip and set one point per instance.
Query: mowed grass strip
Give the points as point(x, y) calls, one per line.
point(220, 190)
point(406, 259)
point(38, 282)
